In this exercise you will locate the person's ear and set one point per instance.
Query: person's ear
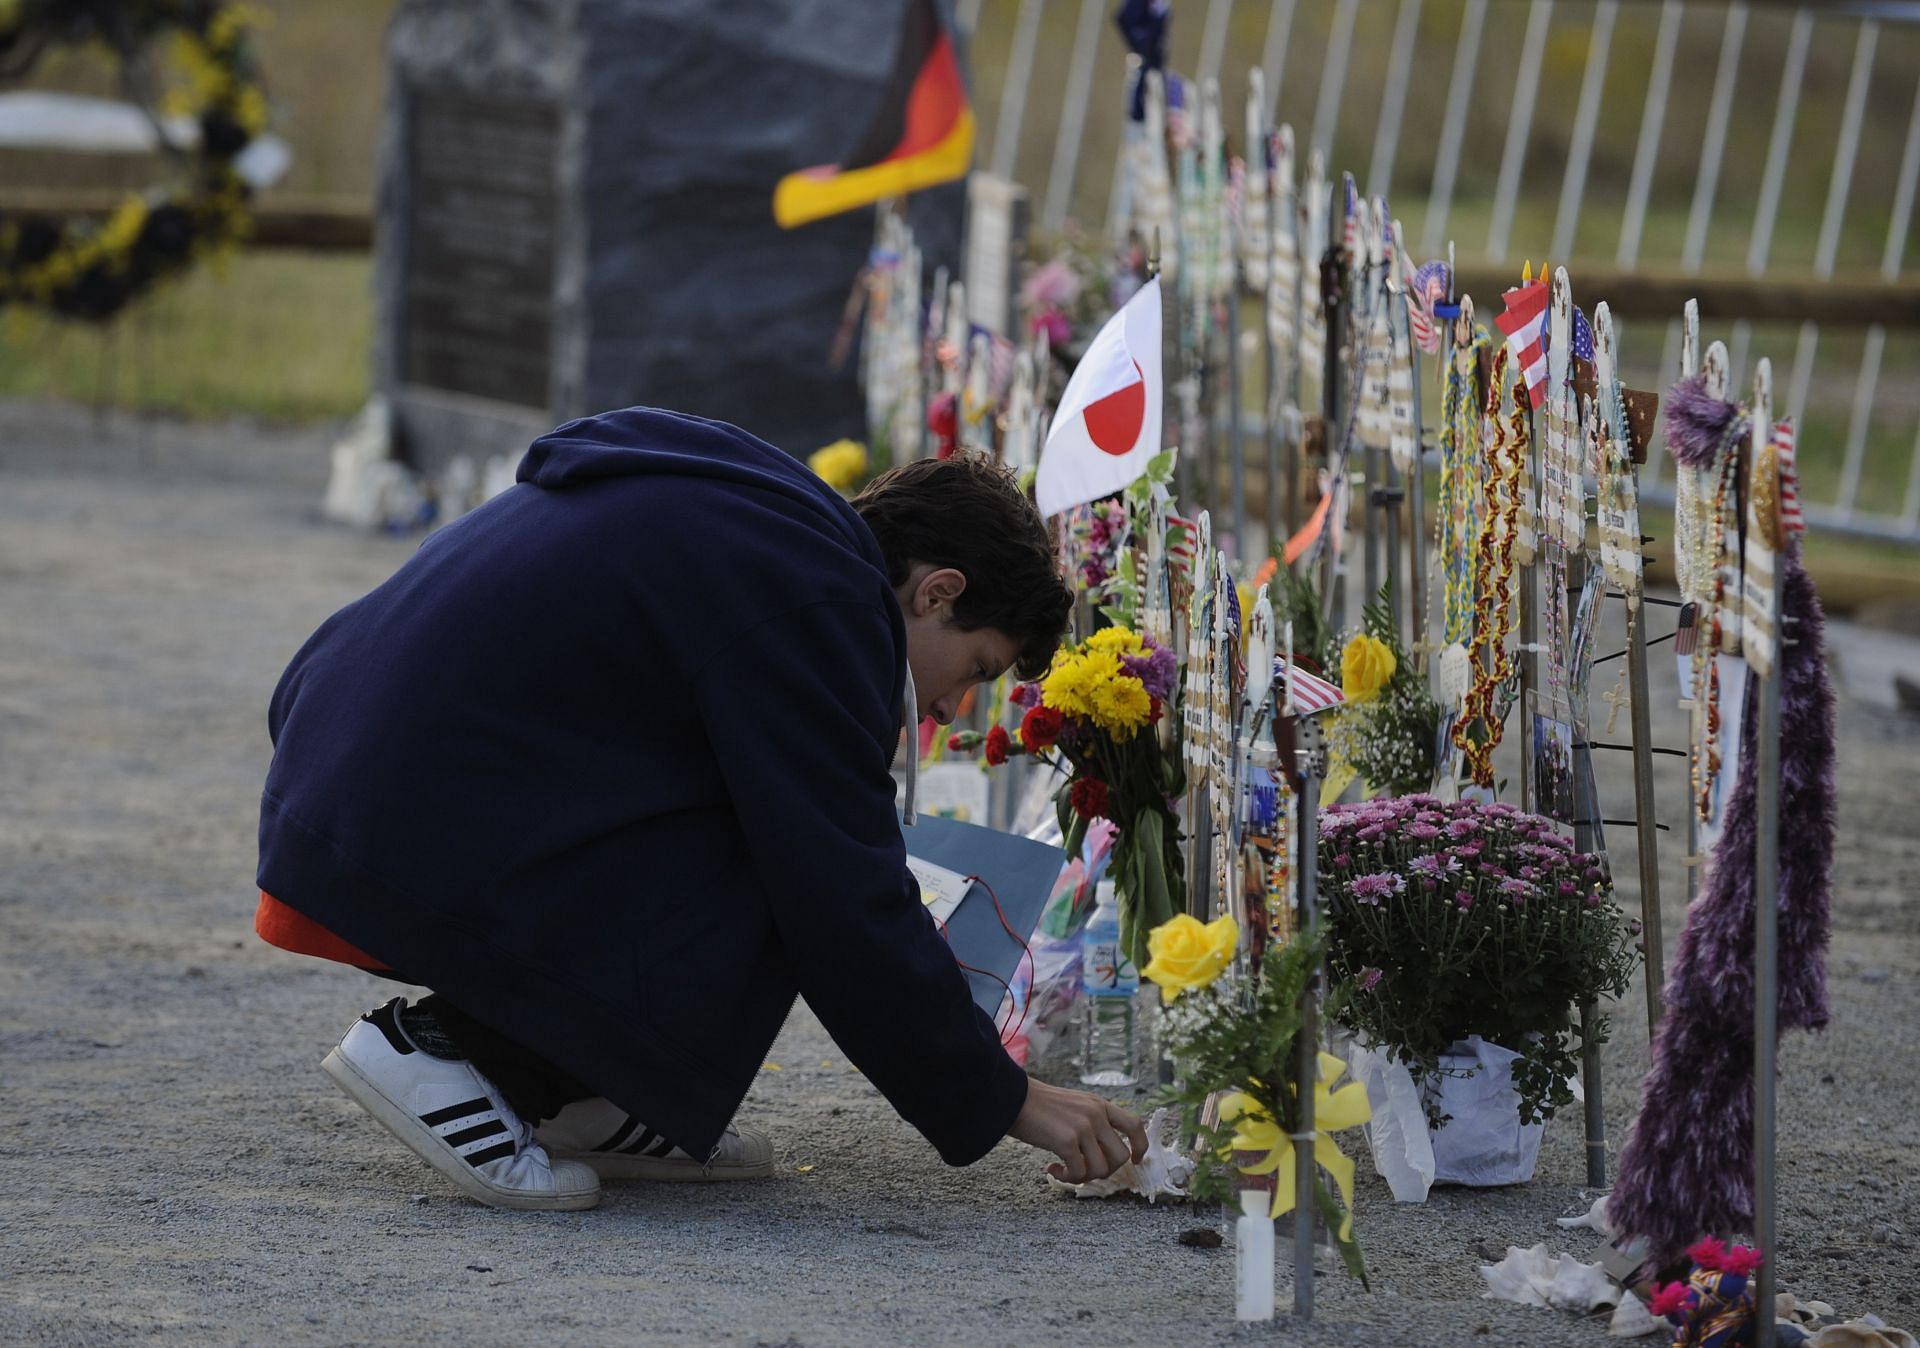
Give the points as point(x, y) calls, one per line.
point(938, 589)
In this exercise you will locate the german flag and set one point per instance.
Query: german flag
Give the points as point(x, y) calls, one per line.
point(922, 135)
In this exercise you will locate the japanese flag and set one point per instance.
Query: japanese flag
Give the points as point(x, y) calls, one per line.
point(1108, 423)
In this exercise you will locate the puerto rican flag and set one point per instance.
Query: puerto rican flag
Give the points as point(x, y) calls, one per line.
point(1107, 426)
point(1525, 323)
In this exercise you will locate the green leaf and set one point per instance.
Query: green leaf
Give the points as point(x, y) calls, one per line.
point(1333, 1214)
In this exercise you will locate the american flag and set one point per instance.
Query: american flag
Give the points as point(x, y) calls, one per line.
point(1310, 695)
point(1425, 288)
point(1792, 520)
point(1582, 336)
point(1525, 323)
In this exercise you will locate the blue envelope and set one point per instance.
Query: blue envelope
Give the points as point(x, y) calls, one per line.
point(1020, 872)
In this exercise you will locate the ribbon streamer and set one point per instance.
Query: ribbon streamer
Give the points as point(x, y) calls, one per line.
point(1333, 1110)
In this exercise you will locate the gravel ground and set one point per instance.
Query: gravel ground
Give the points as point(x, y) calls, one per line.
point(173, 1168)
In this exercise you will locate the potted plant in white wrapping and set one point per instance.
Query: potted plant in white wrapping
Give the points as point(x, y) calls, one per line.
point(1466, 937)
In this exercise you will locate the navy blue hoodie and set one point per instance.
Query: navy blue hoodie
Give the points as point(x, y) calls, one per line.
point(606, 763)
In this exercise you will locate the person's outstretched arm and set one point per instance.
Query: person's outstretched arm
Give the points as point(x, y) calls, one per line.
point(802, 720)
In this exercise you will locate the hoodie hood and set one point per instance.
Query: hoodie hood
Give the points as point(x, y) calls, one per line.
point(642, 441)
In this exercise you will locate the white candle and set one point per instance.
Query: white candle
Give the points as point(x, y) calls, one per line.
point(1253, 1255)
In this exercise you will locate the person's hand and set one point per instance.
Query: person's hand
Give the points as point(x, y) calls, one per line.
point(1091, 1136)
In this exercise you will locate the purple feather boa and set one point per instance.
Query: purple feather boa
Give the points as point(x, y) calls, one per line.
point(1688, 1168)
point(1698, 423)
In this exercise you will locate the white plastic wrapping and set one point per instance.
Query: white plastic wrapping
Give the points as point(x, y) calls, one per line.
point(1482, 1145)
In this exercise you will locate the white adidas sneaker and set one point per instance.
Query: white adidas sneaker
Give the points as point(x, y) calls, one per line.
point(620, 1147)
point(454, 1119)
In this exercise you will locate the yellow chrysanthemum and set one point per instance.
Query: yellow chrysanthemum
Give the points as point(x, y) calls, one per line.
point(1065, 686)
point(1121, 705)
point(841, 464)
point(1116, 640)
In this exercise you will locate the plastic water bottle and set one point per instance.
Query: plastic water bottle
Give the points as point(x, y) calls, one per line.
point(1110, 981)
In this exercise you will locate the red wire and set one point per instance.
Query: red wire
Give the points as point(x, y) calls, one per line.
point(1011, 1031)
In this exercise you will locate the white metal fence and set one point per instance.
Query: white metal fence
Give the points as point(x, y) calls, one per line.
point(1714, 141)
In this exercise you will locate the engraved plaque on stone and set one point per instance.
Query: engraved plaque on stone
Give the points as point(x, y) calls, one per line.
point(480, 245)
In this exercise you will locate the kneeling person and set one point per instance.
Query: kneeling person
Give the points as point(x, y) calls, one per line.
point(607, 765)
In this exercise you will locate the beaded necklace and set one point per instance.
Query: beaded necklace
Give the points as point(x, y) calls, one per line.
point(1493, 582)
point(1714, 619)
point(1457, 523)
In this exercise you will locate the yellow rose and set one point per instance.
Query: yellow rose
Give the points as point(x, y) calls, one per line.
point(1365, 667)
point(841, 464)
point(1188, 954)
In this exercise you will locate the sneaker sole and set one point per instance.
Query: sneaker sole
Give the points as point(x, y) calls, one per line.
point(429, 1148)
point(660, 1170)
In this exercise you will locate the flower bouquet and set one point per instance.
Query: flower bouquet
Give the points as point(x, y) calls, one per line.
point(1090, 718)
point(1447, 921)
point(1235, 1039)
point(1389, 730)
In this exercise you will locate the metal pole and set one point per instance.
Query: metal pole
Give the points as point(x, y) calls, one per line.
point(1073, 115)
point(1643, 813)
point(1273, 57)
point(1334, 304)
point(1013, 94)
point(1766, 957)
point(1586, 814)
point(1529, 632)
point(1586, 117)
point(1236, 443)
point(1333, 78)
point(1453, 127)
point(1519, 128)
point(1837, 188)
point(1416, 487)
point(1308, 1043)
point(1774, 178)
point(1652, 117)
point(1213, 39)
point(1269, 430)
point(1713, 147)
point(1393, 100)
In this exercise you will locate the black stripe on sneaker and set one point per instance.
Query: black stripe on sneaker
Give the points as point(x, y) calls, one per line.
point(620, 1134)
point(465, 1109)
point(647, 1136)
point(386, 1019)
point(480, 1158)
point(661, 1148)
point(491, 1128)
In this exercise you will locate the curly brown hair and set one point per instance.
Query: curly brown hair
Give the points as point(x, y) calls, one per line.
point(967, 512)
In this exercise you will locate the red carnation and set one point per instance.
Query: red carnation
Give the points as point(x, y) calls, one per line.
point(943, 419)
point(955, 743)
point(1089, 798)
point(1155, 709)
point(1040, 728)
point(998, 745)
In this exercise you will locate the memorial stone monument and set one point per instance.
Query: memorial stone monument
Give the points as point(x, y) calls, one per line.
point(575, 215)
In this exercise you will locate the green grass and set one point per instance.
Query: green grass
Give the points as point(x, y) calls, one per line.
point(278, 335)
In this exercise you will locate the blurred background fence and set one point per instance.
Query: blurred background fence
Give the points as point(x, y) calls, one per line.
point(1762, 157)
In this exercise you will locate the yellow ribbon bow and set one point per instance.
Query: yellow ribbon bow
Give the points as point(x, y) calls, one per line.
point(1255, 1130)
